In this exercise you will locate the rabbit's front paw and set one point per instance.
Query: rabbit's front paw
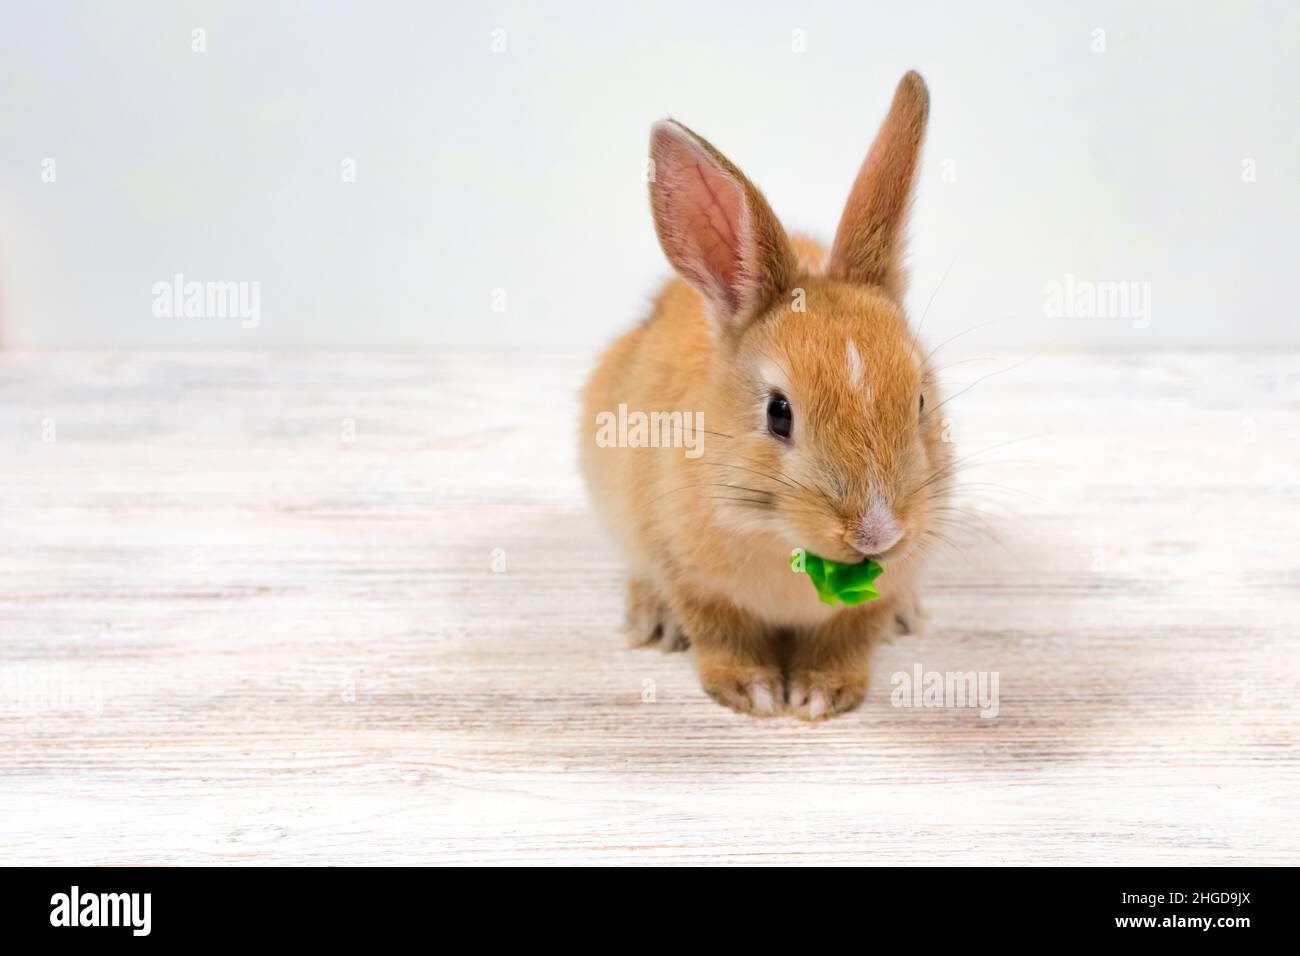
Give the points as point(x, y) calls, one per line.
point(818, 694)
point(745, 688)
point(650, 622)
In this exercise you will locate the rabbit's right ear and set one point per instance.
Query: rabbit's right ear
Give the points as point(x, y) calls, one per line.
point(868, 245)
point(715, 226)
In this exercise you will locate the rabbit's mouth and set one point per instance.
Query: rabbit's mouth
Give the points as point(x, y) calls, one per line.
point(892, 554)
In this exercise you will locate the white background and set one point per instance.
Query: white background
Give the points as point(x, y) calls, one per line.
point(522, 170)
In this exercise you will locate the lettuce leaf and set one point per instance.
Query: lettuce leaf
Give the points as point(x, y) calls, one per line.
point(849, 584)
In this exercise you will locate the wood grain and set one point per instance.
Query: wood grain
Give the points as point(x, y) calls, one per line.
point(234, 631)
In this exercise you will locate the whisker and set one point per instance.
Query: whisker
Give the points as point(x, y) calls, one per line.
point(951, 467)
point(916, 336)
point(757, 502)
point(965, 485)
point(985, 378)
point(771, 358)
point(724, 464)
point(757, 491)
point(965, 361)
point(954, 338)
point(688, 487)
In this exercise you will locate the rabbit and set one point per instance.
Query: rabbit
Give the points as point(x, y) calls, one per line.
point(817, 404)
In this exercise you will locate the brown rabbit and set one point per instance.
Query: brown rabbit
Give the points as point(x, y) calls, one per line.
point(816, 405)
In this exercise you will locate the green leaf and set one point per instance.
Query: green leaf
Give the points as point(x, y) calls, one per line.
point(849, 584)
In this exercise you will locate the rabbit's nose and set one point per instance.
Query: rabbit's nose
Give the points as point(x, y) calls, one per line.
point(877, 530)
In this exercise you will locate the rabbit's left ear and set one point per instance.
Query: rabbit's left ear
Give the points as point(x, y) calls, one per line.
point(715, 226)
point(868, 243)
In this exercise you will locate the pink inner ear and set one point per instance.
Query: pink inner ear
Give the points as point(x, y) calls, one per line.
point(701, 214)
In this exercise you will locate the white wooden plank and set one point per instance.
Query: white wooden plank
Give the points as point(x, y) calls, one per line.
point(276, 645)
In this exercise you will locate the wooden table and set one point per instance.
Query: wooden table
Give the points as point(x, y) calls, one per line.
point(249, 614)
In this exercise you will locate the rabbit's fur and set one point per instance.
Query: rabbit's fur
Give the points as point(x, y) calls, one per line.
point(756, 314)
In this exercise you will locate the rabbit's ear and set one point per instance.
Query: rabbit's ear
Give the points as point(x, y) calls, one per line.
point(868, 244)
point(715, 227)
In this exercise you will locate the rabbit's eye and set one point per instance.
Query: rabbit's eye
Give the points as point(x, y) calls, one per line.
point(779, 417)
point(921, 410)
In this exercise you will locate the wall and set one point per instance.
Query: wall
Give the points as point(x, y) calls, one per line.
point(1167, 160)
